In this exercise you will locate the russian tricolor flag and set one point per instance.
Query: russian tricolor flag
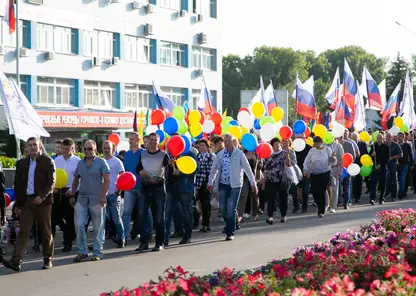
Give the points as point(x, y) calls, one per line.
point(205, 100)
point(343, 114)
point(373, 92)
point(391, 106)
point(333, 93)
point(350, 86)
point(10, 16)
point(162, 100)
point(305, 100)
point(270, 98)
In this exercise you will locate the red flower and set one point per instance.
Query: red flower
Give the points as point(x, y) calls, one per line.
point(392, 270)
point(183, 284)
point(180, 270)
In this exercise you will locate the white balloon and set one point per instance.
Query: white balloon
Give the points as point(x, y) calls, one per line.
point(353, 169)
point(151, 129)
point(11, 205)
point(278, 126)
point(123, 145)
point(245, 119)
point(267, 132)
point(338, 130)
point(208, 126)
point(298, 145)
point(394, 130)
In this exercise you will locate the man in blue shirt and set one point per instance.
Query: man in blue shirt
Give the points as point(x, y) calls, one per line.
point(131, 198)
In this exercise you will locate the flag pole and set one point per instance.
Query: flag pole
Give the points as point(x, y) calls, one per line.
point(17, 70)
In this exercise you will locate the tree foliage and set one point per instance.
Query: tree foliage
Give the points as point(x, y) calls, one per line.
point(281, 65)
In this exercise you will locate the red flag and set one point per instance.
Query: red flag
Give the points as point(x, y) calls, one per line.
point(135, 122)
point(11, 16)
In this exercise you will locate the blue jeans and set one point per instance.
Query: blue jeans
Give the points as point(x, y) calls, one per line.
point(403, 170)
point(113, 213)
point(82, 215)
point(173, 211)
point(155, 197)
point(306, 184)
point(182, 204)
point(130, 199)
point(228, 206)
point(346, 190)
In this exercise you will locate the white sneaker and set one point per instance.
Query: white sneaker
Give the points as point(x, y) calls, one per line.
point(332, 210)
point(255, 218)
point(246, 216)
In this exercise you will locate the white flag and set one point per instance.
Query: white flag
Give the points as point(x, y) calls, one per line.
point(24, 122)
point(359, 119)
point(407, 106)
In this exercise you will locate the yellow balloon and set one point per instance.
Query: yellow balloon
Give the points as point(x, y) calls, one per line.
point(186, 165)
point(319, 130)
point(398, 121)
point(244, 130)
point(195, 129)
point(365, 137)
point(309, 141)
point(194, 116)
point(278, 113)
point(366, 160)
point(61, 178)
point(235, 131)
point(258, 110)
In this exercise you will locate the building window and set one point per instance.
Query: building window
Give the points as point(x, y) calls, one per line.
point(54, 38)
point(172, 54)
point(23, 82)
point(99, 44)
point(177, 95)
point(138, 49)
point(7, 39)
point(195, 97)
point(100, 95)
point(55, 91)
point(137, 96)
point(202, 58)
point(172, 4)
point(202, 7)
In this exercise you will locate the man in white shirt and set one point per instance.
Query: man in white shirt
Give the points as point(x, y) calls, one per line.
point(63, 206)
point(113, 197)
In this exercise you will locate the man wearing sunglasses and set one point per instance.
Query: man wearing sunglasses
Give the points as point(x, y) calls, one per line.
point(93, 176)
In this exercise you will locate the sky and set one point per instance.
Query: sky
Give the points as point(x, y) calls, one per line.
point(319, 25)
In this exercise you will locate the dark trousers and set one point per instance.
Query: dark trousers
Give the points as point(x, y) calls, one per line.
point(357, 189)
point(378, 178)
point(391, 187)
point(294, 192)
point(204, 197)
point(182, 204)
point(155, 197)
point(319, 185)
point(278, 195)
point(262, 199)
point(63, 216)
point(305, 185)
point(28, 215)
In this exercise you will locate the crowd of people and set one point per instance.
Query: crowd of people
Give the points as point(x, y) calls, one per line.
point(238, 180)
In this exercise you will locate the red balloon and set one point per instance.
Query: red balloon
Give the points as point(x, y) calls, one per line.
point(218, 130)
point(285, 132)
point(347, 159)
point(176, 145)
point(126, 181)
point(158, 117)
point(8, 199)
point(114, 138)
point(202, 117)
point(264, 150)
point(307, 132)
point(216, 118)
point(244, 109)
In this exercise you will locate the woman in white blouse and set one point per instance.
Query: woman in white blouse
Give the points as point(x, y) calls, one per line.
point(317, 167)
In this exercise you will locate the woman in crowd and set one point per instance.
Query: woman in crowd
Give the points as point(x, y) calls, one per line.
point(317, 167)
point(276, 183)
point(205, 160)
point(246, 189)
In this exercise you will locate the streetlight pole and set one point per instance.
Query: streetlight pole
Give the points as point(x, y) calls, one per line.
point(18, 153)
point(404, 27)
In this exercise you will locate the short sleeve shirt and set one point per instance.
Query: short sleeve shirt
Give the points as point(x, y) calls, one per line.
point(116, 167)
point(225, 168)
point(92, 180)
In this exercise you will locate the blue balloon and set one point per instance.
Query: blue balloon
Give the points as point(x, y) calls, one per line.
point(171, 125)
point(299, 127)
point(187, 144)
point(200, 136)
point(344, 173)
point(234, 122)
point(249, 142)
point(161, 135)
point(11, 193)
point(257, 124)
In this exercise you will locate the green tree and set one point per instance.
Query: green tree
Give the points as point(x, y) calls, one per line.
point(233, 83)
point(396, 73)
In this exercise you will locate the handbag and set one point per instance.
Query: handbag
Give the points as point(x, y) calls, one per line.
point(298, 172)
point(291, 174)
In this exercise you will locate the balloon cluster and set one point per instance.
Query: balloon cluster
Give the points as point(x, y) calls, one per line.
point(398, 126)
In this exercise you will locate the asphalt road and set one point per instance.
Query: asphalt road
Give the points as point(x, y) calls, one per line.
point(255, 244)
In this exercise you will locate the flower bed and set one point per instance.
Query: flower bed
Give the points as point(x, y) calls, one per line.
point(371, 261)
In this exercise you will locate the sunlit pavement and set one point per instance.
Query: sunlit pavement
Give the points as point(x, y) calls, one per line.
point(255, 244)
